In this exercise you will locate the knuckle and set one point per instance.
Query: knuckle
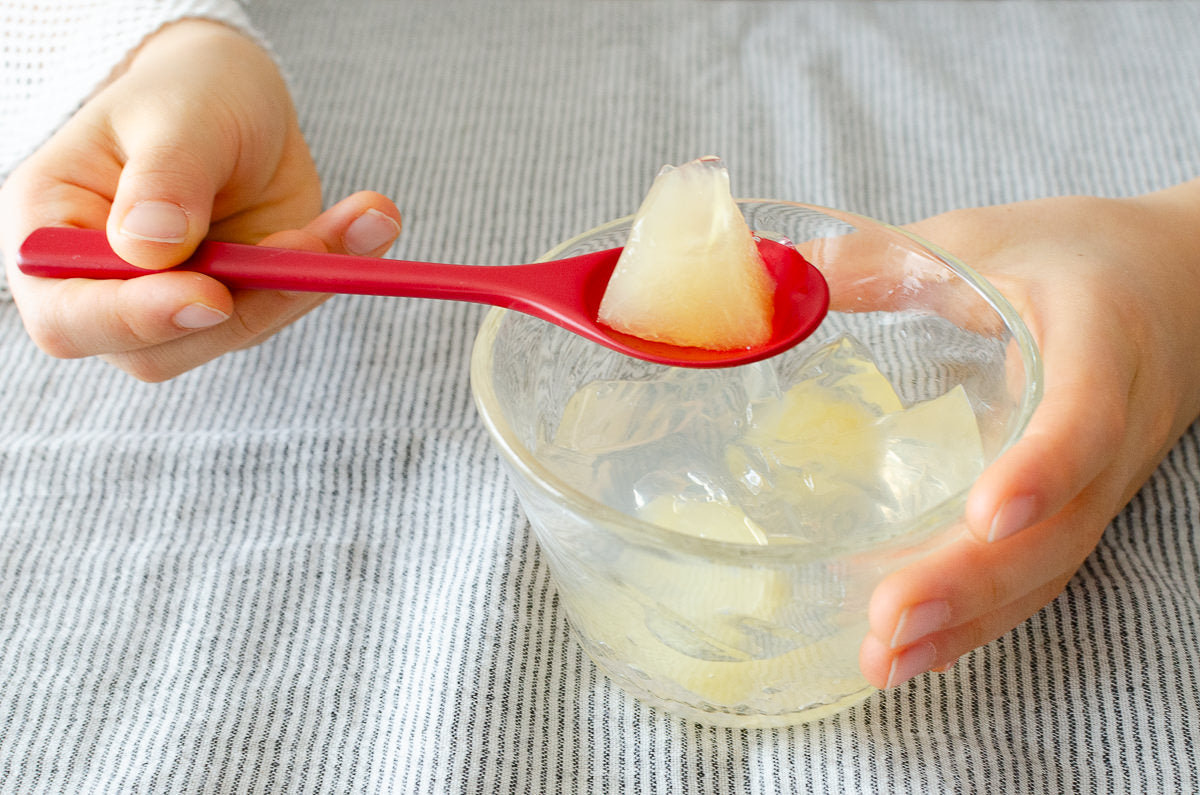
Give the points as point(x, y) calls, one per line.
point(51, 337)
point(247, 329)
point(145, 368)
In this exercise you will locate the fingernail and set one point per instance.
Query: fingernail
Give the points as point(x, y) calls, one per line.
point(156, 221)
point(945, 667)
point(369, 232)
point(911, 662)
point(198, 316)
point(1014, 515)
point(920, 620)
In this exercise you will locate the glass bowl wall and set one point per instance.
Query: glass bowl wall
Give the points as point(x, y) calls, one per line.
point(640, 597)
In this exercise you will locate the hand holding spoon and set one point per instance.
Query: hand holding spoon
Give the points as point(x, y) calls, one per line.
point(566, 292)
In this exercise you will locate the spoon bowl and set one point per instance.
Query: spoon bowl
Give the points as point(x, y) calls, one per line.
point(566, 292)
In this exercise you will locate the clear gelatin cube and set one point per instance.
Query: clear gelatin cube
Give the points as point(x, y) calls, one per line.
point(931, 450)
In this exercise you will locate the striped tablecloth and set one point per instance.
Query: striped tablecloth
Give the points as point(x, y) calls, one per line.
point(300, 568)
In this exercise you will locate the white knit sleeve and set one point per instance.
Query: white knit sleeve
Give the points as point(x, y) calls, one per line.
point(54, 53)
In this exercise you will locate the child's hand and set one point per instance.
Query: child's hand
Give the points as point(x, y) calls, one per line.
point(196, 136)
point(1110, 290)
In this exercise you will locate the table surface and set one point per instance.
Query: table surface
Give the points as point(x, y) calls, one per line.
point(301, 568)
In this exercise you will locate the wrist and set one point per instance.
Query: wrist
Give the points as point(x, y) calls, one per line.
point(1172, 262)
point(1178, 211)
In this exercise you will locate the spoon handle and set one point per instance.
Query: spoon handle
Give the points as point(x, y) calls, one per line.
point(61, 252)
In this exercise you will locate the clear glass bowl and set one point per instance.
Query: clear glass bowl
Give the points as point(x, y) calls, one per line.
point(675, 619)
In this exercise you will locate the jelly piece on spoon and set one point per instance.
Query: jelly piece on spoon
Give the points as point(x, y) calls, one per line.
point(690, 273)
point(800, 302)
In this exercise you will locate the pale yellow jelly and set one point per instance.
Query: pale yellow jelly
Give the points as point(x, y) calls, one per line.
point(690, 273)
point(846, 452)
point(836, 456)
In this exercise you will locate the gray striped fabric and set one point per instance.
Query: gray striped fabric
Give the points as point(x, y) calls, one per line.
point(300, 568)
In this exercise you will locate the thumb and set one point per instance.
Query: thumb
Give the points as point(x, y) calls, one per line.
point(163, 203)
point(1075, 434)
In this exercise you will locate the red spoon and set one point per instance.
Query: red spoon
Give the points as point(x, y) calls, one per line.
point(566, 292)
